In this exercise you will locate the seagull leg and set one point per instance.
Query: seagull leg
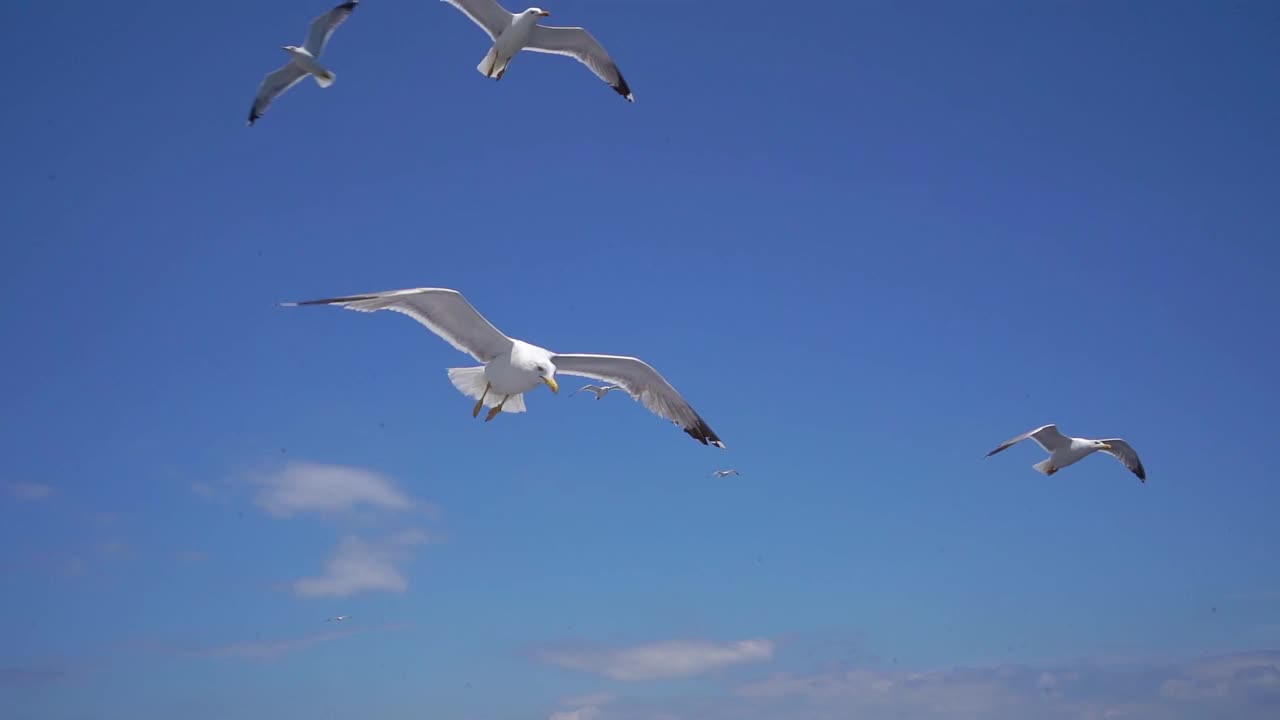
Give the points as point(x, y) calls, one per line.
point(480, 403)
point(493, 412)
point(1051, 470)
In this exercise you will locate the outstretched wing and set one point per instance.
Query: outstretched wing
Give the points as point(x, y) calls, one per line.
point(1123, 452)
point(272, 87)
point(323, 26)
point(488, 14)
point(1046, 435)
point(643, 383)
point(445, 312)
point(578, 44)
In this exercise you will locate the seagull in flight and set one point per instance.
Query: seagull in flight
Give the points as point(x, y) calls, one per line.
point(1064, 450)
point(338, 618)
point(725, 473)
point(512, 33)
point(513, 367)
point(599, 391)
point(303, 61)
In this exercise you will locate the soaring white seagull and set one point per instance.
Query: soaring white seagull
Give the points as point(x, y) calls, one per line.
point(599, 391)
point(513, 367)
point(1064, 451)
point(512, 33)
point(303, 61)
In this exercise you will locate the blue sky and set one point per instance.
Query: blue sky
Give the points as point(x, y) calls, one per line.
point(867, 250)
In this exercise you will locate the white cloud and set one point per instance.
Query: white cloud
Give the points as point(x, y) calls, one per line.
point(358, 566)
point(30, 492)
point(673, 658)
point(326, 489)
point(586, 707)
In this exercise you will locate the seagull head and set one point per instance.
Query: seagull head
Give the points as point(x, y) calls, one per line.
point(547, 371)
point(1099, 445)
point(537, 11)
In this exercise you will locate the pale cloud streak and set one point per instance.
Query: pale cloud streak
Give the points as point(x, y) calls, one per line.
point(29, 492)
point(357, 566)
point(302, 487)
point(668, 659)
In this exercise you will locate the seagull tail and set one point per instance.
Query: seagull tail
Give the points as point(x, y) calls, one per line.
point(1043, 466)
point(471, 382)
point(326, 79)
point(489, 65)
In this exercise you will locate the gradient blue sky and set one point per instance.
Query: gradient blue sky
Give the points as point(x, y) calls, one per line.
point(867, 249)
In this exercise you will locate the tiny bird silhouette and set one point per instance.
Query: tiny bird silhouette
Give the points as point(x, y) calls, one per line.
point(338, 618)
point(725, 473)
point(599, 391)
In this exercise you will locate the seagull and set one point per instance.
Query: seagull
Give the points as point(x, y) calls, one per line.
point(303, 61)
point(512, 33)
point(513, 367)
point(1064, 451)
point(725, 473)
point(338, 618)
point(599, 391)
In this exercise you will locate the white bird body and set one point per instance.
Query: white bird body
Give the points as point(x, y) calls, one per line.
point(305, 60)
point(513, 32)
point(513, 367)
point(1065, 450)
point(725, 473)
point(600, 392)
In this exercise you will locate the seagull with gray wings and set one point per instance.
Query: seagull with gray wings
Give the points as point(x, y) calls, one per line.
point(599, 391)
point(512, 33)
point(303, 61)
point(1064, 450)
point(513, 367)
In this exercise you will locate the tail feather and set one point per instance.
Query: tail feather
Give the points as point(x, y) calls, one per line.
point(325, 80)
point(471, 382)
point(1043, 466)
point(487, 66)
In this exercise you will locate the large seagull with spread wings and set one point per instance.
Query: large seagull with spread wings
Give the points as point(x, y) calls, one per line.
point(513, 367)
point(512, 33)
point(1064, 450)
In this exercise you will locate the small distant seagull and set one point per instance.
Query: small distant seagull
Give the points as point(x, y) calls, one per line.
point(725, 473)
point(1064, 450)
point(303, 61)
point(512, 33)
point(599, 391)
point(338, 618)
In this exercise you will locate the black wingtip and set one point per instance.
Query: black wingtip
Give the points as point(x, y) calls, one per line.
point(1141, 472)
point(703, 433)
point(330, 301)
point(623, 89)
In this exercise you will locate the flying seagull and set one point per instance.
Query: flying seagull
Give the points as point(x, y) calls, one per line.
point(512, 33)
point(725, 473)
point(338, 618)
point(303, 61)
point(1064, 451)
point(513, 367)
point(599, 391)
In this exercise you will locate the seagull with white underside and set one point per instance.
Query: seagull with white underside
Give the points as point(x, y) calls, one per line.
point(512, 33)
point(303, 61)
point(338, 618)
point(1064, 450)
point(599, 391)
point(513, 367)
point(725, 473)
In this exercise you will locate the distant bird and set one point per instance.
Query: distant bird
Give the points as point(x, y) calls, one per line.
point(1064, 450)
point(725, 473)
point(303, 61)
point(512, 33)
point(599, 391)
point(338, 618)
point(513, 367)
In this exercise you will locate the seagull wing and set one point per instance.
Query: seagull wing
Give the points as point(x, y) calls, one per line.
point(578, 44)
point(445, 312)
point(1122, 451)
point(274, 85)
point(323, 26)
point(644, 384)
point(488, 14)
point(1047, 436)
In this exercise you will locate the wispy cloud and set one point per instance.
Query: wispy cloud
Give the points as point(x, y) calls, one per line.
point(587, 707)
point(357, 566)
point(268, 650)
point(669, 659)
point(29, 492)
point(302, 487)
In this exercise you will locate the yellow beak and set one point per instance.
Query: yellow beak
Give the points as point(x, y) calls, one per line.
point(551, 383)
point(1105, 446)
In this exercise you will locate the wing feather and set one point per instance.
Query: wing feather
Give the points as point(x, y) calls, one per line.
point(445, 312)
point(1047, 436)
point(577, 43)
point(488, 14)
point(322, 27)
point(274, 84)
point(644, 384)
point(1127, 456)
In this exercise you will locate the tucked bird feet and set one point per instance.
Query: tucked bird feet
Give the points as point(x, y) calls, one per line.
point(475, 412)
point(1051, 470)
point(493, 412)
